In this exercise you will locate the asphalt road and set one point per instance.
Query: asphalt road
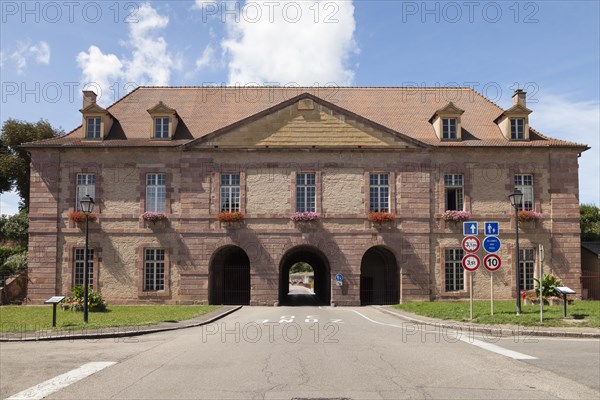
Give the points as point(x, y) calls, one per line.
point(308, 353)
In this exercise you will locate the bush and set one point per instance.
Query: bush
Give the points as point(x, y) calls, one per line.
point(549, 284)
point(14, 264)
point(75, 303)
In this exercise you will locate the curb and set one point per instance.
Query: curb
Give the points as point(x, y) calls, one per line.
point(497, 330)
point(132, 331)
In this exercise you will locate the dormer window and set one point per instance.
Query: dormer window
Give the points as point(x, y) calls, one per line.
point(517, 128)
point(97, 121)
point(161, 128)
point(446, 122)
point(94, 128)
point(448, 128)
point(514, 122)
point(164, 121)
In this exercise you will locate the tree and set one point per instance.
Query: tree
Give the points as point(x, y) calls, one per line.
point(14, 161)
point(301, 267)
point(590, 223)
point(15, 227)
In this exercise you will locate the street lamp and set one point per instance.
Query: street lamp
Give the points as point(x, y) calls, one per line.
point(87, 206)
point(516, 198)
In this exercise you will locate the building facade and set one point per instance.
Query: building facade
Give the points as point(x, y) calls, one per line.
point(192, 153)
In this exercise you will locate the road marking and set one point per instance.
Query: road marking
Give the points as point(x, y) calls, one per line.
point(61, 381)
point(375, 322)
point(497, 349)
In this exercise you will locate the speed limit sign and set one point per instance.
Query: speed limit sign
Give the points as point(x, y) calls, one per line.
point(492, 262)
point(471, 262)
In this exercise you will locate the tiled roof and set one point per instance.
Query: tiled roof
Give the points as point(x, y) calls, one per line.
point(203, 110)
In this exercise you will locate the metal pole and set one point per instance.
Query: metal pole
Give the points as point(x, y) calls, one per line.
point(492, 290)
point(86, 277)
point(471, 293)
point(540, 256)
point(518, 266)
point(401, 285)
point(54, 314)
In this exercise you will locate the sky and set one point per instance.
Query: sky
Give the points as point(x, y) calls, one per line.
point(51, 51)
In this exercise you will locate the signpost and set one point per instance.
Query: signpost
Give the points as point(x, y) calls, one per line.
point(491, 245)
point(541, 269)
point(338, 279)
point(54, 300)
point(471, 262)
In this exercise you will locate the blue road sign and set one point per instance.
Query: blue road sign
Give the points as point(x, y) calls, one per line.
point(339, 277)
point(491, 244)
point(470, 228)
point(491, 228)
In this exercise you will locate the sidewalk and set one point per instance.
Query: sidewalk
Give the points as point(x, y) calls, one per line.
point(494, 330)
point(118, 331)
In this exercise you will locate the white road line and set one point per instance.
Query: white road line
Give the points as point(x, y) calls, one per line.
point(475, 342)
point(497, 349)
point(376, 322)
point(61, 381)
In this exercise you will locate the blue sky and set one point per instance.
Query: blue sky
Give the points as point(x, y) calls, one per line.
point(50, 51)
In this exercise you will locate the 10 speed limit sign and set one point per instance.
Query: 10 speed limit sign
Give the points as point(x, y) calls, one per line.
point(492, 262)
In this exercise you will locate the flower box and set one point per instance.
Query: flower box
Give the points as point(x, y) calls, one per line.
point(381, 217)
point(79, 216)
point(154, 217)
point(307, 216)
point(230, 216)
point(456, 216)
point(529, 216)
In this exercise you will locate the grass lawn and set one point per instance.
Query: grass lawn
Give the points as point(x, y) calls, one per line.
point(580, 313)
point(34, 318)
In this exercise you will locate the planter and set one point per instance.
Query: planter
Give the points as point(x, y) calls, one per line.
point(232, 224)
point(306, 225)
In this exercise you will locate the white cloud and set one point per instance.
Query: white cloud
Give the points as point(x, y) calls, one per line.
point(576, 121)
point(291, 42)
point(39, 52)
point(150, 62)
point(207, 59)
point(9, 203)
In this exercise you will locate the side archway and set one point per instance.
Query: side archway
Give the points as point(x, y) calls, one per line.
point(320, 265)
point(229, 277)
point(379, 283)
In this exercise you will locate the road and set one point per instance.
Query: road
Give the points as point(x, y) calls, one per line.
point(307, 353)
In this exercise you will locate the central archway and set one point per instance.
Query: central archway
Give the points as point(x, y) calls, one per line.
point(229, 277)
point(320, 265)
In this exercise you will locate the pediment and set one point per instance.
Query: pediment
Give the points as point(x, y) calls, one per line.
point(306, 122)
point(518, 109)
point(161, 108)
point(93, 108)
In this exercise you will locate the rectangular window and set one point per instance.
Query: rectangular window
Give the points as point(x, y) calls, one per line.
point(306, 192)
point(527, 266)
point(154, 270)
point(79, 266)
point(93, 128)
point(230, 192)
point(517, 128)
point(161, 128)
point(453, 270)
point(525, 184)
point(449, 128)
point(379, 192)
point(156, 192)
point(454, 192)
point(86, 185)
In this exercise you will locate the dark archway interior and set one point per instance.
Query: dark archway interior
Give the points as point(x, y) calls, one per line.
point(320, 265)
point(379, 282)
point(229, 277)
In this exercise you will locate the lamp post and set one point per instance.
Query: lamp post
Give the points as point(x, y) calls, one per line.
point(516, 198)
point(87, 206)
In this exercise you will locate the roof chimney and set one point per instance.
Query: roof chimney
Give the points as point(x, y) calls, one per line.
point(520, 98)
point(89, 97)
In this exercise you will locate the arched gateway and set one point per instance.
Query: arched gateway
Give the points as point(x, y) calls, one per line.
point(229, 277)
point(320, 265)
point(379, 283)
